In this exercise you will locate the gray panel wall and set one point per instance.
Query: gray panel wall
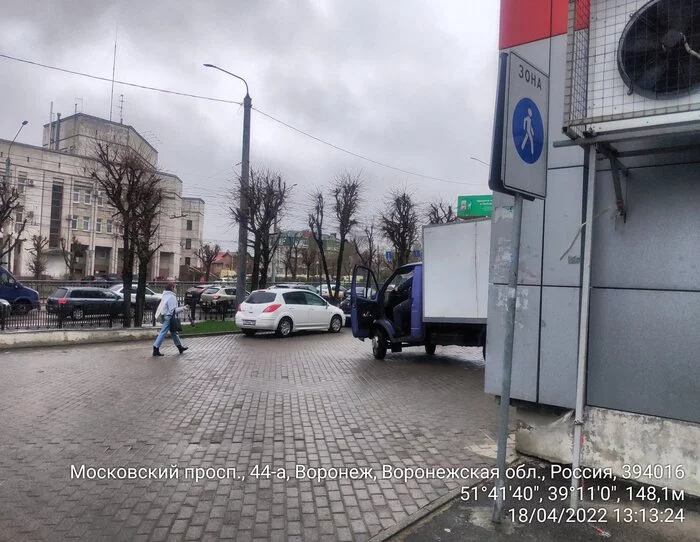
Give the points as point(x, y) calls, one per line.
point(658, 245)
point(559, 346)
point(525, 342)
point(643, 352)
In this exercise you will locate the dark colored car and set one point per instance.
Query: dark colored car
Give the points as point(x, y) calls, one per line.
point(21, 298)
point(193, 294)
point(346, 304)
point(79, 302)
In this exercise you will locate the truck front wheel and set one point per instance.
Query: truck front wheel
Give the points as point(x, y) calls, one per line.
point(379, 344)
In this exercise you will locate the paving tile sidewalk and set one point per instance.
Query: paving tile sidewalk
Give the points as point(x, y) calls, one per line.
point(263, 406)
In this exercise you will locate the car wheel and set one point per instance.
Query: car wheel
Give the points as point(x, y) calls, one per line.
point(379, 344)
point(77, 314)
point(21, 307)
point(284, 328)
point(430, 348)
point(249, 332)
point(336, 324)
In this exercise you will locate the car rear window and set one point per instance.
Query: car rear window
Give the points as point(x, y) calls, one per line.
point(61, 292)
point(261, 297)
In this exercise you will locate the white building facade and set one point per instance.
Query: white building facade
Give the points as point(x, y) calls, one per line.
point(60, 201)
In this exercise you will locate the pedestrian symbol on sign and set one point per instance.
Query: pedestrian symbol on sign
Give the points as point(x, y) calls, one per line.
point(528, 130)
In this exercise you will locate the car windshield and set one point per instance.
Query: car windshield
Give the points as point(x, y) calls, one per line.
point(261, 297)
point(211, 290)
point(117, 287)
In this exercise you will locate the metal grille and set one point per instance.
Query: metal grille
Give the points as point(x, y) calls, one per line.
point(595, 91)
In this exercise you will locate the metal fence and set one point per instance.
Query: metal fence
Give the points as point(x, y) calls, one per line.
point(40, 319)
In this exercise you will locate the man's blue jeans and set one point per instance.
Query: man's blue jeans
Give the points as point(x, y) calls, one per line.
point(164, 331)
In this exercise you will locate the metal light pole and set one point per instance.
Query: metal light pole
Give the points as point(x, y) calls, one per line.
point(243, 207)
point(6, 180)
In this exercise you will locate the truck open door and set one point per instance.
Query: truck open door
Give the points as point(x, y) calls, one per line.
point(364, 307)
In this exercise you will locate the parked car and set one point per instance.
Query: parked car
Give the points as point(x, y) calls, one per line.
point(192, 294)
point(79, 302)
point(295, 285)
point(151, 301)
point(323, 291)
point(22, 298)
point(287, 310)
point(218, 298)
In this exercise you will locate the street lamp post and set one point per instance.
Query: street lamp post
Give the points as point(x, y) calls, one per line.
point(243, 207)
point(6, 180)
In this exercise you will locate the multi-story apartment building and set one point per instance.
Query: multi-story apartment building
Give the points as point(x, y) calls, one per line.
point(191, 232)
point(60, 201)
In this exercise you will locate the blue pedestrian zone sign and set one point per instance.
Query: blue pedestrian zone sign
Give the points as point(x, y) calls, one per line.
point(528, 131)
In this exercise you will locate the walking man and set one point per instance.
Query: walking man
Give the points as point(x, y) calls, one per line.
point(167, 309)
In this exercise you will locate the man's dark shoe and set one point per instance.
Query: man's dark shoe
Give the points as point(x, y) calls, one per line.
point(156, 351)
point(182, 349)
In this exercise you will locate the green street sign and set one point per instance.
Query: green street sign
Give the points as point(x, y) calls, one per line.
point(474, 205)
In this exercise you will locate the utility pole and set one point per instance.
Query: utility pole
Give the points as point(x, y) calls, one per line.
point(243, 206)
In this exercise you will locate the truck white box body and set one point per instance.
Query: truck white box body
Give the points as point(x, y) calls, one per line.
point(456, 271)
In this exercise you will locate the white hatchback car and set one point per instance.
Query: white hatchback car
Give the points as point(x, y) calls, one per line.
point(287, 310)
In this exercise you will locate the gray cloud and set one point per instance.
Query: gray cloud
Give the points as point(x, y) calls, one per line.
point(409, 83)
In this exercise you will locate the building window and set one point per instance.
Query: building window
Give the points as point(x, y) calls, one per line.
point(76, 195)
point(86, 223)
point(98, 197)
point(188, 244)
point(187, 261)
point(98, 225)
point(19, 217)
point(87, 197)
point(21, 182)
point(109, 226)
point(189, 225)
point(121, 230)
point(73, 222)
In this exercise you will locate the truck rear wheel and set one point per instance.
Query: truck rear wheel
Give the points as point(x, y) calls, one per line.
point(379, 344)
point(430, 348)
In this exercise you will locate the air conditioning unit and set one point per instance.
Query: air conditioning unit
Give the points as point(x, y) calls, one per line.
point(632, 63)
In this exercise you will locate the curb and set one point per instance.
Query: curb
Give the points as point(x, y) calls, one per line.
point(418, 515)
point(74, 337)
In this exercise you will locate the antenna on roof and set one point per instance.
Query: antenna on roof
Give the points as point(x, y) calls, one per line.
point(114, 66)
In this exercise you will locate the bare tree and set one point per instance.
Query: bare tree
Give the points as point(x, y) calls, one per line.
point(316, 226)
point(267, 196)
point(206, 255)
point(399, 224)
point(346, 194)
point(309, 256)
point(291, 254)
point(37, 264)
point(122, 173)
point(440, 212)
point(146, 225)
point(366, 246)
point(71, 253)
point(10, 205)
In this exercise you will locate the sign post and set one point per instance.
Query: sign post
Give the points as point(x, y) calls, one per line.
point(520, 158)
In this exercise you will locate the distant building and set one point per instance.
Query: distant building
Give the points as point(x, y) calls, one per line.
point(60, 201)
point(192, 230)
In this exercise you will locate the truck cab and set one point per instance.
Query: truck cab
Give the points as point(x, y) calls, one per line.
point(22, 298)
point(390, 315)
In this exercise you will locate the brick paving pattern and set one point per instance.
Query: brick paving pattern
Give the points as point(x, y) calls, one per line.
point(316, 400)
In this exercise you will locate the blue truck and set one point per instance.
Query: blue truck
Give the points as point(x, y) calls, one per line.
point(21, 298)
point(442, 300)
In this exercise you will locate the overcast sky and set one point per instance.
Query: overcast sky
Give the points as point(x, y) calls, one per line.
point(409, 83)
